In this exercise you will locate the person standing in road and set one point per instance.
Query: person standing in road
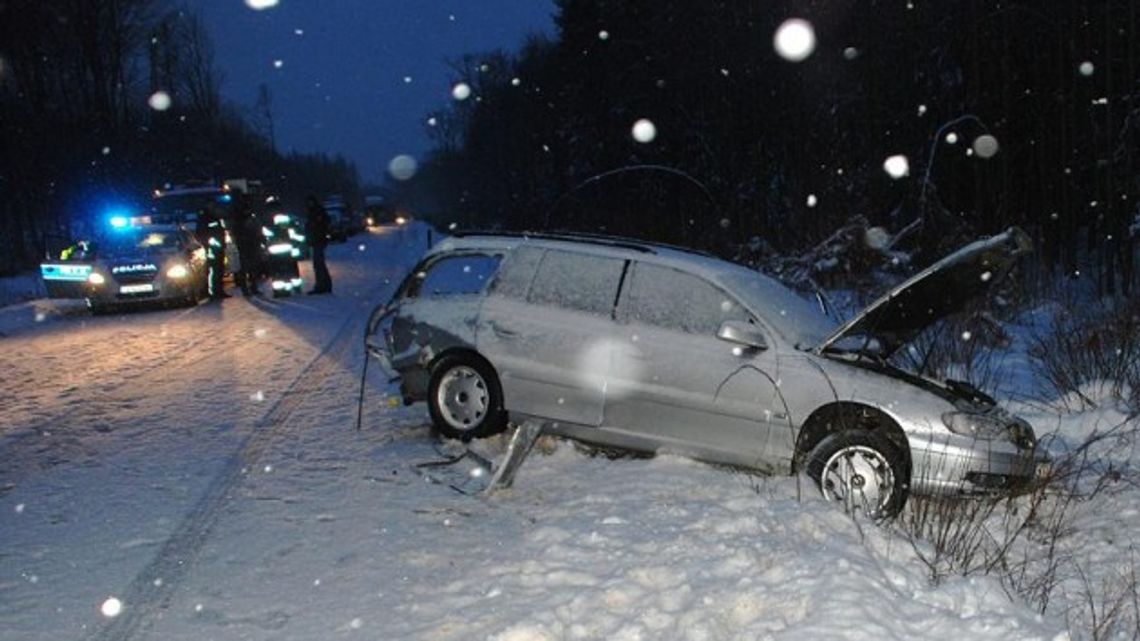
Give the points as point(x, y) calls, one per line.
point(211, 232)
point(247, 237)
point(317, 226)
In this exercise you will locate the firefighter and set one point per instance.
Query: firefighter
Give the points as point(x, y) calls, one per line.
point(282, 245)
point(211, 232)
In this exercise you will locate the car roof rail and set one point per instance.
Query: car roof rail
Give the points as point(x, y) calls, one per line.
point(622, 242)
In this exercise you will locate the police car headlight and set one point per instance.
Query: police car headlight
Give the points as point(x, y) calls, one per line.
point(178, 271)
point(95, 278)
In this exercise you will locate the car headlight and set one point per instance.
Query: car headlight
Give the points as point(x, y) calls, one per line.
point(178, 271)
point(95, 278)
point(981, 426)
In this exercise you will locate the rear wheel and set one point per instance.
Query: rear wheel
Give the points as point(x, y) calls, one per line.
point(465, 399)
point(863, 470)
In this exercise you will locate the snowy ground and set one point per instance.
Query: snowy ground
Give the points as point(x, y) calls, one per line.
point(201, 468)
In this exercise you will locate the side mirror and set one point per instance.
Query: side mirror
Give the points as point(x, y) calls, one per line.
point(742, 334)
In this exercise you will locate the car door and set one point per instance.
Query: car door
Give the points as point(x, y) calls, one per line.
point(438, 307)
point(546, 327)
point(685, 388)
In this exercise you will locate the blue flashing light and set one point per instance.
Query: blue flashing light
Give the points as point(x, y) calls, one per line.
point(119, 222)
point(225, 198)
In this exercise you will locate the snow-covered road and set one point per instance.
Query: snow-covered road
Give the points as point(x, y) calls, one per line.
point(200, 468)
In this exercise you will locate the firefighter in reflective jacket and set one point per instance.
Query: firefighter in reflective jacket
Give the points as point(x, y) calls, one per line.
point(211, 232)
point(283, 247)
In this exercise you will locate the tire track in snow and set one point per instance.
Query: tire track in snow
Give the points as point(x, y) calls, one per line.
point(150, 592)
point(72, 434)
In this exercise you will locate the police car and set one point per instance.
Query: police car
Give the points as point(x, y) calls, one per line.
point(134, 262)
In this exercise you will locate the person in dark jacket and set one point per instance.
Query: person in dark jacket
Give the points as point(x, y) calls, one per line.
point(211, 232)
point(247, 237)
point(317, 227)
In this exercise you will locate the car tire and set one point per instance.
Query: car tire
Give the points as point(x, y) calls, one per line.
point(862, 469)
point(465, 399)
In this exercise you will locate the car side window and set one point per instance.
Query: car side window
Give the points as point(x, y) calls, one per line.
point(579, 282)
point(455, 275)
point(679, 301)
point(519, 268)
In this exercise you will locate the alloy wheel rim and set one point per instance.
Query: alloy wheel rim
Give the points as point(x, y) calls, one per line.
point(859, 477)
point(462, 398)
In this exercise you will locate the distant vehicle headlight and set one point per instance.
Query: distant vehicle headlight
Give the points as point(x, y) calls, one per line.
point(400, 220)
point(981, 426)
point(96, 278)
point(178, 271)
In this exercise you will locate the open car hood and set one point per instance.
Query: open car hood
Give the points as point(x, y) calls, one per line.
point(932, 294)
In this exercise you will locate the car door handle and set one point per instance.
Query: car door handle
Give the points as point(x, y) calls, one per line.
point(502, 332)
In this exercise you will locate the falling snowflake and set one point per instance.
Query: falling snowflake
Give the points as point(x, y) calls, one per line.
point(897, 166)
point(644, 131)
point(1087, 68)
point(432, 121)
point(20, 508)
point(812, 200)
point(261, 5)
point(159, 101)
point(277, 64)
point(851, 53)
point(106, 151)
point(515, 82)
point(299, 32)
point(794, 40)
point(986, 146)
point(407, 80)
point(402, 167)
point(603, 35)
point(360, 247)
point(966, 335)
point(922, 110)
point(112, 607)
point(951, 138)
point(461, 91)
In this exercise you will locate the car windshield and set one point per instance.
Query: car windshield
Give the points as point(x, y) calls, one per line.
point(799, 321)
point(184, 207)
point(133, 241)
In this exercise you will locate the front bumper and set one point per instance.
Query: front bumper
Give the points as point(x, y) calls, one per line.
point(953, 464)
point(160, 288)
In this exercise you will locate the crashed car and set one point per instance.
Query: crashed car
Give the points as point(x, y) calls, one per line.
point(133, 264)
point(654, 349)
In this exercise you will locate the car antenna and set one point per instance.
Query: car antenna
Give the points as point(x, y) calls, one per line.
point(621, 170)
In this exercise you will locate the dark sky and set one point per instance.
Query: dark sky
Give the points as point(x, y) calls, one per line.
point(340, 85)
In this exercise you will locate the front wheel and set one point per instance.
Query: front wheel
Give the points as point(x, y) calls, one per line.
point(864, 471)
point(464, 398)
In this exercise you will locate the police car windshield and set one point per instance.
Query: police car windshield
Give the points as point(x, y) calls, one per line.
point(184, 207)
point(139, 239)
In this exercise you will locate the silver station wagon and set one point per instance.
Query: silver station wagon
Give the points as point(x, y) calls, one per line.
point(655, 349)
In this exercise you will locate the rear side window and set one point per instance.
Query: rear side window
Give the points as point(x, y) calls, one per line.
point(454, 275)
point(577, 281)
point(675, 300)
point(518, 272)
